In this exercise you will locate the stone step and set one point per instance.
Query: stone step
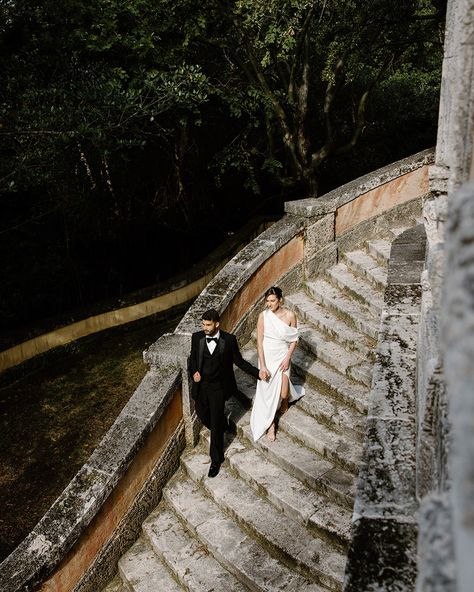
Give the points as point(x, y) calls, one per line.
point(186, 557)
point(325, 511)
point(329, 381)
point(313, 372)
point(380, 250)
point(356, 287)
point(286, 539)
point(321, 515)
point(229, 544)
point(142, 571)
point(329, 352)
point(311, 312)
point(300, 462)
point(353, 312)
point(337, 448)
point(364, 265)
point(332, 413)
point(334, 355)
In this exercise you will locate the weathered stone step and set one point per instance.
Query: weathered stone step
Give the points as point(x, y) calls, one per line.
point(329, 352)
point(314, 372)
point(229, 544)
point(324, 517)
point(330, 381)
point(142, 571)
point(380, 250)
point(185, 556)
point(310, 311)
point(300, 462)
point(334, 355)
point(366, 266)
point(357, 287)
point(289, 541)
point(335, 447)
point(333, 413)
point(355, 313)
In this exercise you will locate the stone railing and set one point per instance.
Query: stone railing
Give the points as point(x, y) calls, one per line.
point(386, 503)
point(75, 547)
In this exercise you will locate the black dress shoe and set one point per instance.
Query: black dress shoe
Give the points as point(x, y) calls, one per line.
point(214, 469)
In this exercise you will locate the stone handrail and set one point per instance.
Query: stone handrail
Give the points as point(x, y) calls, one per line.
point(386, 503)
point(78, 542)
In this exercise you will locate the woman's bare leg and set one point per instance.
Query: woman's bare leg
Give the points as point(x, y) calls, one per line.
point(285, 391)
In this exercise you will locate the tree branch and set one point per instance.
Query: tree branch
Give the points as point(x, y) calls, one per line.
point(288, 138)
point(299, 48)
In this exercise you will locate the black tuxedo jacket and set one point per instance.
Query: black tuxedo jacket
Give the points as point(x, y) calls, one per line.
point(229, 354)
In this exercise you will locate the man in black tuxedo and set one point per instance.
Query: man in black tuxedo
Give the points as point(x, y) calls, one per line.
point(213, 354)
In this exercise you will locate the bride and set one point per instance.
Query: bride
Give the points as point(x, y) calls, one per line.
point(277, 337)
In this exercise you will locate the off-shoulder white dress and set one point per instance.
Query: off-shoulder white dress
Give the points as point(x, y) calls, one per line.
point(277, 336)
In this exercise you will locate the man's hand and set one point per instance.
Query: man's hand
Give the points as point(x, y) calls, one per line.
point(197, 377)
point(264, 374)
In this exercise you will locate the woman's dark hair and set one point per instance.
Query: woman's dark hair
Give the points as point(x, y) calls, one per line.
point(275, 291)
point(211, 315)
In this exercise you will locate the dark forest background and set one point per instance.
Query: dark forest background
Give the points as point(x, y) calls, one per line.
point(135, 135)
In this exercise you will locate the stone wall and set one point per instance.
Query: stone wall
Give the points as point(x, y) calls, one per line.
point(100, 512)
point(445, 479)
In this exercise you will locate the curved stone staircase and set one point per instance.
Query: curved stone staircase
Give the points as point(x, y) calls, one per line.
point(278, 516)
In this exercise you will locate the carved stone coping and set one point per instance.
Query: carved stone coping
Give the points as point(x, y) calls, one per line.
point(65, 543)
point(368, 192)
point(382, 554)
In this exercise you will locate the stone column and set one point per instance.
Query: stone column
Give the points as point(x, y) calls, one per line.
point(172, 349)
point(445, 477)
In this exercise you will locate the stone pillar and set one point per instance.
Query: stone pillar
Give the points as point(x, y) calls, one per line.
point(458, 338)
point(172, 349)
point(319, 220)
point(445, 475)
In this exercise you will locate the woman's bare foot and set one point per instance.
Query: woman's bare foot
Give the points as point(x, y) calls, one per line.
point(271, 433)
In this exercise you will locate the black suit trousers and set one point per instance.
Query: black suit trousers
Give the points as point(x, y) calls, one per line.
point(210, 410)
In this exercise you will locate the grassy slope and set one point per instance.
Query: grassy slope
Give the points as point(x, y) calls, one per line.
point(52, 418)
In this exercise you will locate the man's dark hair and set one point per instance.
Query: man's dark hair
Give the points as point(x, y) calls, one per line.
point(211, 315)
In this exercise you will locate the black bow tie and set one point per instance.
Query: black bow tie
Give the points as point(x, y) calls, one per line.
point(209, 339)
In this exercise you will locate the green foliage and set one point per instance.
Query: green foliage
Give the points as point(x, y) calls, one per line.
point(120, 114)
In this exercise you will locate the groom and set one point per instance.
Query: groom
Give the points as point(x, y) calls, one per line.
point(213, 353)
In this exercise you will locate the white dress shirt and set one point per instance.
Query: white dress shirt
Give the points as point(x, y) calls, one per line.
point(211, 345)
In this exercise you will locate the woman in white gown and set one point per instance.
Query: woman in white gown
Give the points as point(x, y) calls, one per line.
point(277, 336)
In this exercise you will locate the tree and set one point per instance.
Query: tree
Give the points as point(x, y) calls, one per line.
point(304, 71)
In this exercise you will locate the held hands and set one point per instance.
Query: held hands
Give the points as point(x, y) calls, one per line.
point(264, 374)
point(197, 377)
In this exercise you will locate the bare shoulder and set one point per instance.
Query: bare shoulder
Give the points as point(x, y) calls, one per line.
point(289, 317)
